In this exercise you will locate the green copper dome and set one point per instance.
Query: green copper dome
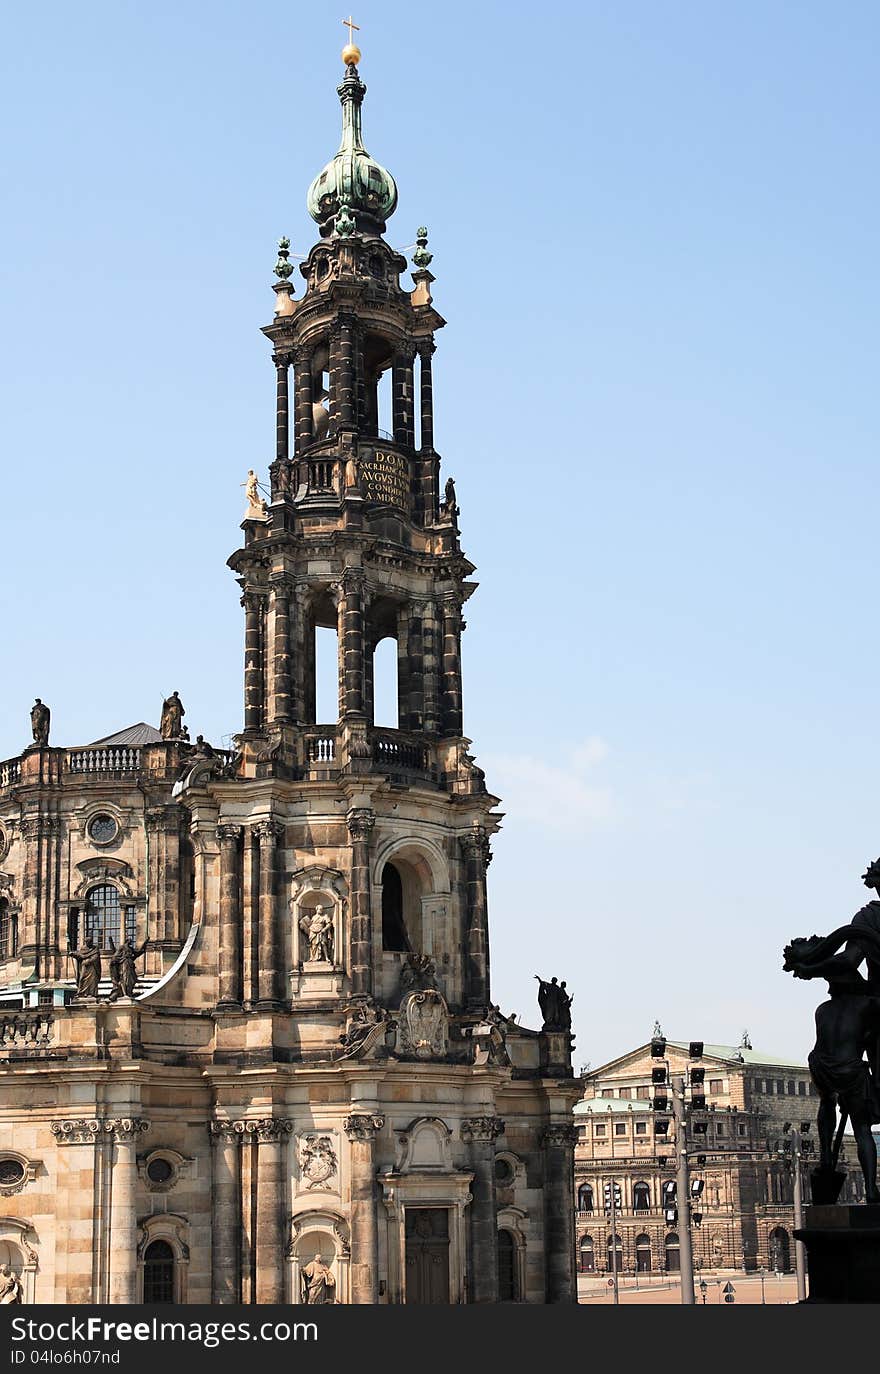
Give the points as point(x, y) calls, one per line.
point(353, 180)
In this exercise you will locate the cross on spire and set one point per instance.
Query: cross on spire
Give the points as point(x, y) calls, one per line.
point(350, 24)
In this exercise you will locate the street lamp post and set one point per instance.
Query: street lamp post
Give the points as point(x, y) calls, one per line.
point(762, 1272)
point(685, 1239)
point(799, 1254)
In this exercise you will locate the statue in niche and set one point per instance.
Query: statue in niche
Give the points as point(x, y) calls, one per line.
point(417, 973)
point(317, 1160)
point(318, 1284)
point(40, 718)
point(555, 1004)
point(88, 968)
point(122, 969)
point(11, 1290)
point(171, 720)
point(317, 927)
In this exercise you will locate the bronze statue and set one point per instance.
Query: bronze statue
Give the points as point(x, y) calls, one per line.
point(318, 1283)
point(88, 968)
point(845, 1061)
point(172, 717)
point(555, 1004)
point(40, 717)
point(122, 970)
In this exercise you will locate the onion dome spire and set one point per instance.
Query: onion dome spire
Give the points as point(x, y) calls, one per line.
point(353, 182)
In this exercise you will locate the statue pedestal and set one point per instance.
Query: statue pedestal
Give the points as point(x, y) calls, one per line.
point(843, 1253)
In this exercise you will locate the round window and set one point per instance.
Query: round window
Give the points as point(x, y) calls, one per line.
point(159, 1170)
point(103, 829)
point(503, 1172)
point(11, 1172)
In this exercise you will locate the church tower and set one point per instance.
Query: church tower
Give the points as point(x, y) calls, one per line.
point(311, 1063)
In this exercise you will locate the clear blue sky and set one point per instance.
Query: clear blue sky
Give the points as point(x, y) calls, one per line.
point(655, 239)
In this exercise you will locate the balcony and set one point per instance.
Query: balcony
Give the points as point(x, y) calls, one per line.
point(401, 756)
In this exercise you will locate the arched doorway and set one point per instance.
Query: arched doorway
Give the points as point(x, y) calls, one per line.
point(641, 1197)
point(780, 1250)
point(586, 1255)
point(158, 1273)
point(643, 1254)
point(508, 1287)
point(672, 1254)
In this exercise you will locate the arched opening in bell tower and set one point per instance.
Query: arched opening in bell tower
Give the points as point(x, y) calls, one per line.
point(386, 708)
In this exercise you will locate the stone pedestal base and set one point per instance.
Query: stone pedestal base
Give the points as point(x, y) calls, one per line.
point(843, 1253)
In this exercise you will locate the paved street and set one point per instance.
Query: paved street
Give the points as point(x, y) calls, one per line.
point(659, 1289)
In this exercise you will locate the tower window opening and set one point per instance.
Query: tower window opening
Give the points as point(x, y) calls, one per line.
point(159, 1273)
point(394, 936)
point(384, 405)
point(385, 685)
point(326, 675)
point(103, 916)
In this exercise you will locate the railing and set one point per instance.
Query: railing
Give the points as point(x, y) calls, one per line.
point(114, 759)
point(25, 1030)
point(321, 748)
point(322, 473)
point(392, 751)
point(10, 772)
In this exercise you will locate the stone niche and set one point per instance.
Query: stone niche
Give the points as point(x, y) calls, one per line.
point(318, 908)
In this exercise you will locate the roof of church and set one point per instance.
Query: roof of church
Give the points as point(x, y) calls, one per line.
point(133, 736)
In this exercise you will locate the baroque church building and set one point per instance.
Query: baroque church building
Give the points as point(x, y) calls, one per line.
point(304, 1061)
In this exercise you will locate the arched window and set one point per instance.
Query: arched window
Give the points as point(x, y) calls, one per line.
point(159, 1273)
point(643, 1254)
point(641, 1197)
point(8, 931)
point(673, 1255)
point(780, 1250)
point(585, 1197)
point(507, 1276)
point(103, 916)
point(394, 934)
point(586, 1255)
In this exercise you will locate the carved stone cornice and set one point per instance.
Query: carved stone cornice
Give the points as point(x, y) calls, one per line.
point(268, 832)
point(361, 820)
point(269, 1129)
point(163, 818)
point(39, 827)
point(80, 1132)
point(228, 833)
point(125, 1129)
point(476, 845)
point(560, 1133)
point(482, 1130)
point(363, 1126)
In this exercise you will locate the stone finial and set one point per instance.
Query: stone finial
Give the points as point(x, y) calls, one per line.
point(421, 257)
point(283, 268)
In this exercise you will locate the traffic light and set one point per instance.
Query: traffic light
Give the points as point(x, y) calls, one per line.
point(658, 1047)
point(658, 1075)
point(661, 1103)
point(697, 1186)
point(695, 1049)
point(661, 1125)
point(670, 1198)
point(697, 1076)
point(606, 1191)
point(698, 1101)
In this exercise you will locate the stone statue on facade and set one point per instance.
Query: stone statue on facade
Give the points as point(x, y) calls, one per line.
point(88, 968)
point(11, 1290)
point(318, 1284)
point(449, 510)
point(555, 1004)
point(40, 718)
point(122, 969)
point(256, 506)
point(845, 1061)
point(172, 716)
point(417, 973)
point(317, 927)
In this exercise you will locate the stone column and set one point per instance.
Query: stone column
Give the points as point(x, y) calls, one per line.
point(253, 660)
point(351, 643)
point(360, 824)
point(559, 1227)
point(450, 704)
point(343, 401)
point(303, 656)
point(269, 974)
point(163, 878)
point(282, 363)
point(416, 667)
point(431, 669)
point(477, 855)
point(303, 416)
point(480, 1133)
point(426, 389)
point(123, 1208)
point(230, 970)
point(272, 1207)
point(362, 1129)
point(226, 1212)
point(280, 698)
point(402, 397)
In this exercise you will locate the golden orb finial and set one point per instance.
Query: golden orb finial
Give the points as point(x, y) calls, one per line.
point(351, 53)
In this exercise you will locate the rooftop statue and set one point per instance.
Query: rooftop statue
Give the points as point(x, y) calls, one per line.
point(171, 720)
point(40, 717)
point(845, 1061)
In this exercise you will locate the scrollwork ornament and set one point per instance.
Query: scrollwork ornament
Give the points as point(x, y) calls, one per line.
point(482, 1130)
point(363, 1127)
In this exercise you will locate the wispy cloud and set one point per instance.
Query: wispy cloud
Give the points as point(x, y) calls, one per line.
point(558, 791)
